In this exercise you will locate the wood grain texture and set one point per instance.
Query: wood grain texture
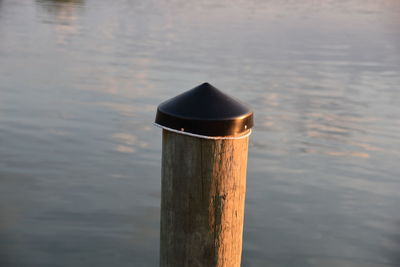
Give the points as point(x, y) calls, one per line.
point(202, 201)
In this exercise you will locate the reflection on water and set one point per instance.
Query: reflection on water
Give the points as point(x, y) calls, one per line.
point(127, 142)
point(63, 13)
point(61, 8)
point(80, 161)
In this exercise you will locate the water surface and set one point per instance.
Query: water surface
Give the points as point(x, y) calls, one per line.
point(80, 161)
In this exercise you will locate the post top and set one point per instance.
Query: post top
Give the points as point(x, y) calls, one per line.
point(205, 110)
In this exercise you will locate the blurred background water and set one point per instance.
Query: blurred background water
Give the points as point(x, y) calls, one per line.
point(80, 81)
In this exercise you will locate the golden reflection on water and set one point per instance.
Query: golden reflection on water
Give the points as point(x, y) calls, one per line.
point(126, 138)
point(365, 146)
point(124, 149)
point(128, 143)
point(347, 154)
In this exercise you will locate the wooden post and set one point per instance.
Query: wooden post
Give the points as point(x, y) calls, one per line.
point(203, 191)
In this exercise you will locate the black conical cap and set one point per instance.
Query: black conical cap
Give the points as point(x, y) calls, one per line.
point(205, 110)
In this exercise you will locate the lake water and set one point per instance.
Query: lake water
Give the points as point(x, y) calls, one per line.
point(80, 160)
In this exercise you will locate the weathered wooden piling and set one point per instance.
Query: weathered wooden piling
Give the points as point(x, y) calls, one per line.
point(204, 159)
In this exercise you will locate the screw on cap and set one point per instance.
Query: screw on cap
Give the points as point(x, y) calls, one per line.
point(205, 110)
